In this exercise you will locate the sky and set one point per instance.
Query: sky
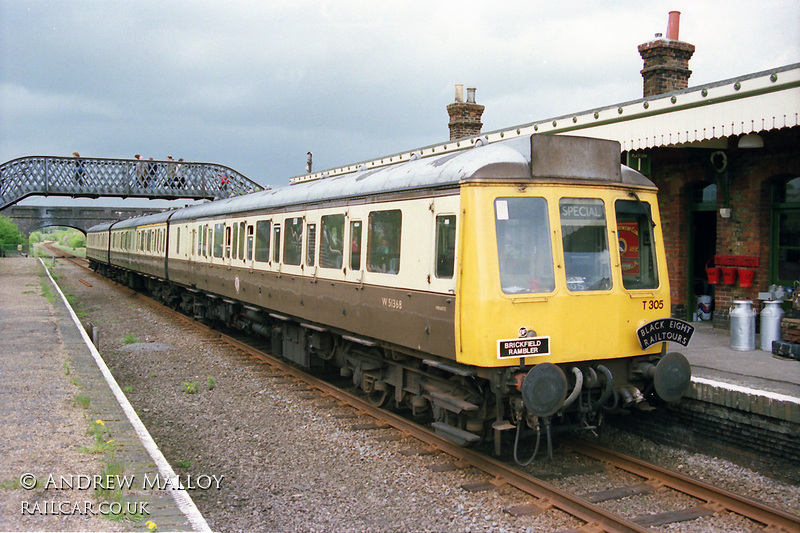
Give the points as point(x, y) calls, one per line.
point(254, 85)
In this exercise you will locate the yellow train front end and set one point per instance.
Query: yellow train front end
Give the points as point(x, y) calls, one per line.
point(563, 293)
point(579, 268)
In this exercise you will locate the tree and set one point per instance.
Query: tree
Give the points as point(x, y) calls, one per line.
point(9, 232)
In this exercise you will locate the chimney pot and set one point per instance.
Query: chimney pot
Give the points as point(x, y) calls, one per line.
point(459, 92)
point(471, 95)
point(659, 35)
point(673, 25)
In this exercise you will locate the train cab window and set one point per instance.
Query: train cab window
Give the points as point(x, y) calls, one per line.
point(293, 241)
point(250, 242)
point(445, 246)
point(636, 245)
point(587, 261)
point(219, 235)
point(311, 244)
point(355, 245)
point(241, 239)
point(523, 245)
point(276, 244)
point(331, 247)
point(262, 240)
point(383, 241)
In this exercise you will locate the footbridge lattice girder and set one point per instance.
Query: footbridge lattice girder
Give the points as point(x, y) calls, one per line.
point(96, 177)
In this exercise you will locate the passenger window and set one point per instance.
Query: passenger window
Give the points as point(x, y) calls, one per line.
point(241, 239)
point(383, 238)
point(311, 243)
point(262, 240)
point(276, 249)
point(332, 245)
point(355, 245)
point(445, 246)
point(587, 262)
point(523, 245)
point(250, 230)
point(177, 240)
point(235, 240)
point(636, 245)
point(219, 234)
point(293, 241)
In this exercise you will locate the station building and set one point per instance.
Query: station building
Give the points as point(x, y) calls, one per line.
point(726, 159)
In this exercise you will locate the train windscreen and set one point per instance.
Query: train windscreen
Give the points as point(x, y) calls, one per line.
point(523, 245)
point(587, 261)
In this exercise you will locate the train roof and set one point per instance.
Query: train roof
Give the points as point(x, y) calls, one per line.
point(540, 157)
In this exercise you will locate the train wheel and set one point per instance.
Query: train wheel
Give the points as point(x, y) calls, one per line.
point(378, 398)
point(378, 392)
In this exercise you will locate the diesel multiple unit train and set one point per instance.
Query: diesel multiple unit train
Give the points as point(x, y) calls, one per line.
point(498, 288)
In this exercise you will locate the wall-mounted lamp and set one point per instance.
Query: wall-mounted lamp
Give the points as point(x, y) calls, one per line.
point(751, 140)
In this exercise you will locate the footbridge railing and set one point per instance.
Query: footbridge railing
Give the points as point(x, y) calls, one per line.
point(95, 177)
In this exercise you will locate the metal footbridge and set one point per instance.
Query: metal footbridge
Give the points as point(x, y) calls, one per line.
point(95, 177)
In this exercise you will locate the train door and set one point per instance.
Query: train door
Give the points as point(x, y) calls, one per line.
point(250, 245)
point(444, 248)
point(228, 244)
point(235, 244)
point(355, 263)
point(276, 247)
point(311, 248)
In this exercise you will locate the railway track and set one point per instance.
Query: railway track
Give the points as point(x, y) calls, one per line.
point(58, 253)
point(588, 507)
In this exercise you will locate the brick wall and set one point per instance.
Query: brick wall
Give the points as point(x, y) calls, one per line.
point(750, 174)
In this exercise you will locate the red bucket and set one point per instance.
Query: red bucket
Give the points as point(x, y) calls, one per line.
point(746, 277)
point(713, 274)
point(729, 275)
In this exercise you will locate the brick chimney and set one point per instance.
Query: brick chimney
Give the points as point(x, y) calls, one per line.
point(666, 61)
point(465, 117)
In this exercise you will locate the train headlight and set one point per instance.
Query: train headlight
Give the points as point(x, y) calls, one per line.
point(544, 389)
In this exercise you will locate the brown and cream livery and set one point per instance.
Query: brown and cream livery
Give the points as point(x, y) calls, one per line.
point(493, 287)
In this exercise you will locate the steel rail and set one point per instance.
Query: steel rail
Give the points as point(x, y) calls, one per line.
point(63, 254)
point(595, 517)
point(773, 518)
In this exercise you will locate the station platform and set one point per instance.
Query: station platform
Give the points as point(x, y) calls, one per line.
point(53, 392)
point(752, 381)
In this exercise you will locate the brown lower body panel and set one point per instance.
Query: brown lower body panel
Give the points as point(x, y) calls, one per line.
point(417, 320)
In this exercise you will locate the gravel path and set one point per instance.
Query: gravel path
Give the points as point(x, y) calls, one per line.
point(289, 460)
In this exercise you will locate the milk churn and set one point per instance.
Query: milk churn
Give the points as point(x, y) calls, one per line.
point(770, 324)
point(743, 326)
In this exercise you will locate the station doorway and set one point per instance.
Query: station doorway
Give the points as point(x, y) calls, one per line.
point(702, 248)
